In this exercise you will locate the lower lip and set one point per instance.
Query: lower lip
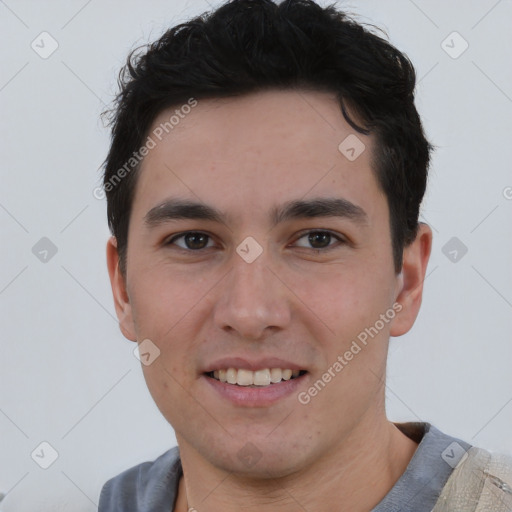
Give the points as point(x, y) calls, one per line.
point(258, 396)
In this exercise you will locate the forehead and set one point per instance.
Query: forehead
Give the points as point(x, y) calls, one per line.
point(252, 151)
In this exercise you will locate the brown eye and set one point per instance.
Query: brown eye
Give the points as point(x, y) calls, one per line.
point(319, 240)
point(193, 240)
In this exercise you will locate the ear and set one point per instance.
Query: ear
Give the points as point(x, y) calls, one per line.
point(121, 299)
point(410, 289)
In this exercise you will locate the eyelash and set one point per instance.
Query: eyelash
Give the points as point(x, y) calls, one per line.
point(341, 240)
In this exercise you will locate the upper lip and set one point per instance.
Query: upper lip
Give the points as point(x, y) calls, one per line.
point(253, 365)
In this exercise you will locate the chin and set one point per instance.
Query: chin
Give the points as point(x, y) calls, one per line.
point(259, 459)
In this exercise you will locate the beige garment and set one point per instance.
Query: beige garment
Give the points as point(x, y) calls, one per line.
point(481, 482)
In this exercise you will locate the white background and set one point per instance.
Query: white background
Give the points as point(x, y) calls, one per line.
point(70, 378)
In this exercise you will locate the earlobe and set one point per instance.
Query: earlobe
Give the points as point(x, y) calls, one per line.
point(119, 292)
point(410, 280)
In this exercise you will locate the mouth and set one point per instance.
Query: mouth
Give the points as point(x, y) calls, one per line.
point(265, 377)
point(262, 383)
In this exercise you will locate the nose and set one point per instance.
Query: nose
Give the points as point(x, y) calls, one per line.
point(253, 301)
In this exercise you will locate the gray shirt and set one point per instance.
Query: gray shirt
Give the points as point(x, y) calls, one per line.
point(152, 486)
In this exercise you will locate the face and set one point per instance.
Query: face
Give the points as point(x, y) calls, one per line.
point(259, 280)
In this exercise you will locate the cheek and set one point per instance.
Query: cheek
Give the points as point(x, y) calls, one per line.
point(346, 299)
point(163, 298)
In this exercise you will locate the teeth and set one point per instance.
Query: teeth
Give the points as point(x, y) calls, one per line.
point(287, 374)
point(231, 375)
point(275, 375)
point(245, 377)
point(263, 377)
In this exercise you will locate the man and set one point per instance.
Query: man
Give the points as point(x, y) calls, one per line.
point(264, 182)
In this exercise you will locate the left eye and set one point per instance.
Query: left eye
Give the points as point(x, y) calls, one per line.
point(319, 239)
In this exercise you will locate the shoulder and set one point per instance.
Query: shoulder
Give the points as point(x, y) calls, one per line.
point(144, 487)
point(482, 479)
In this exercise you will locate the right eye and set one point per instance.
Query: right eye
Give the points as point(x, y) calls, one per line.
point(192, 240)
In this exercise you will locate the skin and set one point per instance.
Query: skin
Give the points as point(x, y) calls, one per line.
point(304, 304)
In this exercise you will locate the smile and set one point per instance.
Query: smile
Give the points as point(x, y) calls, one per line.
point(258, 378)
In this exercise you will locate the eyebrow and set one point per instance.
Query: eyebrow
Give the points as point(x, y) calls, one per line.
point(176, 209)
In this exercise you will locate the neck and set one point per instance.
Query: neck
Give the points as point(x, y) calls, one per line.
point(355, 476)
